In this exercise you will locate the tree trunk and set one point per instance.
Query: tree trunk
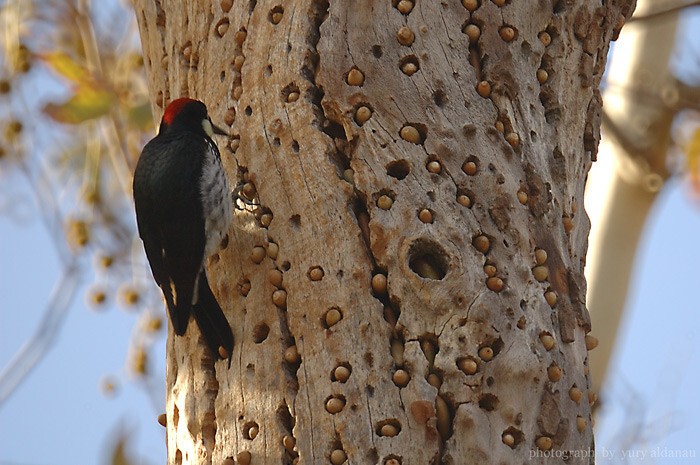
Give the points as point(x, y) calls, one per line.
point(410, 289)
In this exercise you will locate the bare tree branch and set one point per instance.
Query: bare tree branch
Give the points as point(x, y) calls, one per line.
point(35, 347)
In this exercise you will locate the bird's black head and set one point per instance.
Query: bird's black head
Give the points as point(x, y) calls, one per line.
point(186, 114)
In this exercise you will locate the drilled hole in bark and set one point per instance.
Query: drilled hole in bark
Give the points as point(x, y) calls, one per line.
point(377, 51)
point(369, 359)
point(404, 6)
point(393, 460)
point(512, 437)
point(468, 365)
point(285, 266)
point(434, 378)
point(337, 455)
point(295, 220)
point(428, 259)
point(433, 165)
point(295, 146)
point(465, 197)
point(341, 373)
point(409, 64)
point(243, 286)
point(222, 27)
point(553, 32)
point(508, 33)
point(275, 15)
point(440, 98)
point(416, 133)
point(260, 332)
point(289, 89)
point(471, 165)
point(430, 346)
point(354, 77)
point(482, 243)
point(398, 169)
point(384, 199)
point(250, 430)
point(332, 317)
point(335, 404)
point(389, 427)
point(490, 348)
point(488, 402)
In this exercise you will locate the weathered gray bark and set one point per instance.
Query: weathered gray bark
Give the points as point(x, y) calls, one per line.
point(467, 315)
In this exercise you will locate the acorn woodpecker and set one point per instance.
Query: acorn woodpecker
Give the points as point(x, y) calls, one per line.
point(183, 210)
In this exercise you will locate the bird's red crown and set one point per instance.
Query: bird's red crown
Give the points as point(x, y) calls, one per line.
point(174, 108)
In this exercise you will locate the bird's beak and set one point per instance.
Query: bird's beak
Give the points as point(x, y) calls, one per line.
point(218, 130)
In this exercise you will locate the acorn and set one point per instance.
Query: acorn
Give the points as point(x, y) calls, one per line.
point(355, 77)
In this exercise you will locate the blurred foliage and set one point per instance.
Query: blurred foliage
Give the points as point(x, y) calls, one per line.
point(74, 115)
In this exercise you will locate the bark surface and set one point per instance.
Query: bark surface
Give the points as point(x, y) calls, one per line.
point(440, 148)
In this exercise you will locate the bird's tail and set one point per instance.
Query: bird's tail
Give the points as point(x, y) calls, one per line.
point(212, 322)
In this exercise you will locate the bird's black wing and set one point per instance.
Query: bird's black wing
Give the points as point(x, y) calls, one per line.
point(170, 219)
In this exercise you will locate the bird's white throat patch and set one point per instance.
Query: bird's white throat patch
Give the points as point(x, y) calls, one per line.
point(206, 125)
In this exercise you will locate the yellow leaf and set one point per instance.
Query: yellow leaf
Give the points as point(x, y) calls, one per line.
point(86, 103)
point(64, 65)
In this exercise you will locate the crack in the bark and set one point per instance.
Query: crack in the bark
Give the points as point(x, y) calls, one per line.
point(208, 420)
point(454, 72)
point(318, 12)
point(311, 414)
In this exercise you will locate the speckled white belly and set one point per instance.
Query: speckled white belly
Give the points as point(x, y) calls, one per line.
point(216, 201)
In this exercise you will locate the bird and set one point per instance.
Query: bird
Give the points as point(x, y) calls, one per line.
point(183, 209)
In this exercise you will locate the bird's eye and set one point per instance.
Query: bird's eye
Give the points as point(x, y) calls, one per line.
point(206, 125)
